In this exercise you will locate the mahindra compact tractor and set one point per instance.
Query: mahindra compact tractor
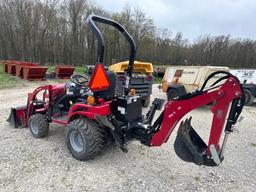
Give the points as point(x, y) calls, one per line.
point(96, 116)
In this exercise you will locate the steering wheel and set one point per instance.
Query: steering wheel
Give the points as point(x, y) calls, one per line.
point(79, 79)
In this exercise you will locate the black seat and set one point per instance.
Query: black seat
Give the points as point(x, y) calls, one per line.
point(109, 93)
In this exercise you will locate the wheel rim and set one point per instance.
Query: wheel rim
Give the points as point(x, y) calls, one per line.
point(76, 141)
point(34, 127)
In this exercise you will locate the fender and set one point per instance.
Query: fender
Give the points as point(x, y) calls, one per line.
point(53, 91)
point(89, 111)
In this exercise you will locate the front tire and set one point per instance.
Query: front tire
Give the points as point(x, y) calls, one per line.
point(38, 125)
point(84, 138)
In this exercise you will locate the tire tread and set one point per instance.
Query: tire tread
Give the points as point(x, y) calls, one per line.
point(94, 138)
point(43, 125)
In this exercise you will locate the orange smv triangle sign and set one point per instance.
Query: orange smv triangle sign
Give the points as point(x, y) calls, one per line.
point(99, 80)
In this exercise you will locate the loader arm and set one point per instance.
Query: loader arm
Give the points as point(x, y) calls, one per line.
point(221, 97)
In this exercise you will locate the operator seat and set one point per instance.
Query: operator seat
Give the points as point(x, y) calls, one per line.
point(109, 93)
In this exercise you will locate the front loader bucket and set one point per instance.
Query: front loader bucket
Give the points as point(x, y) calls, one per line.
point(18, 117)
point(19, 68)
point(34, 72)
point(64, 71)
point(5, 65)
point(11, 68)
point(190, 147)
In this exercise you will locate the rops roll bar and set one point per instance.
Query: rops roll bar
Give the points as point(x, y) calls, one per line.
point(101, 43)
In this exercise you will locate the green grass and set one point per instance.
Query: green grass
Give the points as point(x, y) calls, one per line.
point(253, 144)
point(79, 70)
point(158, 80)
point(51, 69)
point(7, 80)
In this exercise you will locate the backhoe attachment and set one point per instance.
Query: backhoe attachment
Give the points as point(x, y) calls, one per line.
point(227, 101)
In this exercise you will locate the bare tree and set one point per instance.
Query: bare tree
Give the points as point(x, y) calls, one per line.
point(55, 31)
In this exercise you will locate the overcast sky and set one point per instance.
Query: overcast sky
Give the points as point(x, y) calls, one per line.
point(196, 17)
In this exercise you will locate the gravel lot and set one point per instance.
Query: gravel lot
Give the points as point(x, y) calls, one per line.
point(30, 164)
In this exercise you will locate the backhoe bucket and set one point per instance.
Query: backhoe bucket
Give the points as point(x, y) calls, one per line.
point(18, 117)
point(190, 147)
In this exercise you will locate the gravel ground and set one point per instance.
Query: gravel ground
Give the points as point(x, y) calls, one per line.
point(30, 164)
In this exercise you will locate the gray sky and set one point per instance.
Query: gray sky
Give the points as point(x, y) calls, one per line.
point(196, 17)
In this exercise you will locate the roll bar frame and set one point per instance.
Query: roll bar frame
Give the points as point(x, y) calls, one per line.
point(101, 43)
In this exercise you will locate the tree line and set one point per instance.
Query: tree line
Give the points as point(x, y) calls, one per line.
point(56, 32)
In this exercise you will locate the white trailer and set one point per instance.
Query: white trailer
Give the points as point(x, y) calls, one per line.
point(246, 76)
point(248, 79)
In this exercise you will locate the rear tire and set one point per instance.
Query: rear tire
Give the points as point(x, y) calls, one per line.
point(38, 125)
point(249, 98)
point(84, 139)
point(171, 94)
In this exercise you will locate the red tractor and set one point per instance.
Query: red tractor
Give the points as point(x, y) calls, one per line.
point(95, 115)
